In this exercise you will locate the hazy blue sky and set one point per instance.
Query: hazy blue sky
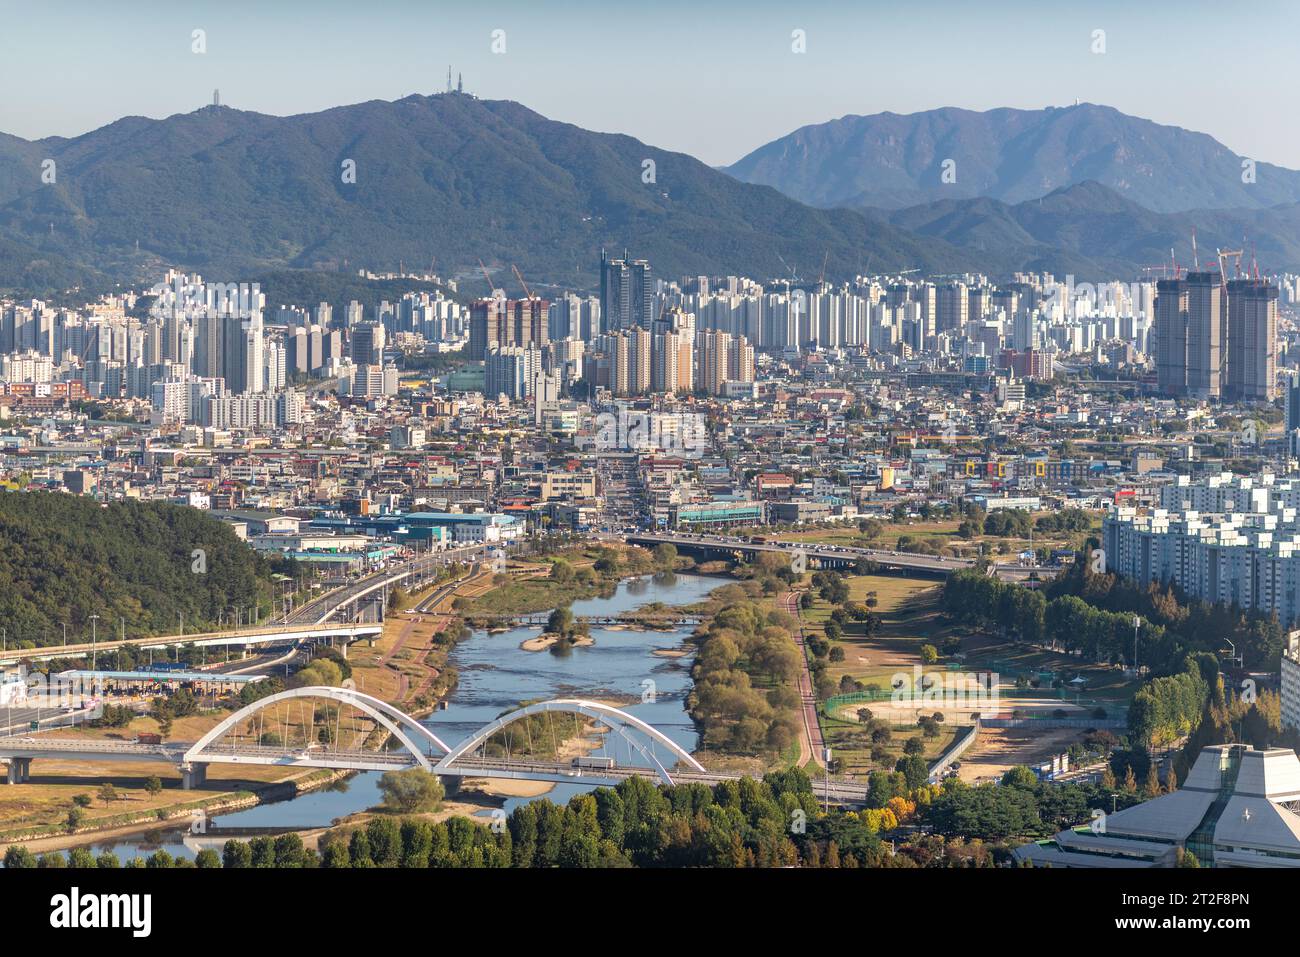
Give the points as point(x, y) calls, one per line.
point(714, 79)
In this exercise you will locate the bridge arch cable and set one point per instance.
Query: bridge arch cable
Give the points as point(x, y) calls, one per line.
point(617, 720)
point(401, 726)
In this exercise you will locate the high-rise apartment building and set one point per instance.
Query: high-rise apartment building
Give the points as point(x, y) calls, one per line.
point(1252, 340)
point(507, 322)
point(627, 295)
point(952, 307)
point(1215, 341)
point(1205, 335)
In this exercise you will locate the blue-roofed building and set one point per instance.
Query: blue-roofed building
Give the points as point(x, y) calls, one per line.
point(431, 528)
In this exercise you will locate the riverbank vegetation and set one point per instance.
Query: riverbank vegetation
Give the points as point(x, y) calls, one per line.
point(745, 698)
point(556, 580)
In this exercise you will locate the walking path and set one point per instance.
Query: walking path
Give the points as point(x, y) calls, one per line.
point(811, 744)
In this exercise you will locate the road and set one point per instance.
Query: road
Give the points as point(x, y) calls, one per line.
point(321, 609)
point(265, 634)
point(811, 744)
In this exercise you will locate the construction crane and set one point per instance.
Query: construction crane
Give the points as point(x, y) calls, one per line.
point(528, 293)
point(487, 278)
point(1223, 255)
point(822, 278)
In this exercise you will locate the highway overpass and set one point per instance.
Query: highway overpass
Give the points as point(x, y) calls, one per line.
point(309, 622)
point(236, 637)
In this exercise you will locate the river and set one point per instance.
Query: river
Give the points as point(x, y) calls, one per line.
point(495, 676)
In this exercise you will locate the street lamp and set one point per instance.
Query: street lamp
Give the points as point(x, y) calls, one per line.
point(1137, 622)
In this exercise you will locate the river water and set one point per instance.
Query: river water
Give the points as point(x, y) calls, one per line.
point(495, 676)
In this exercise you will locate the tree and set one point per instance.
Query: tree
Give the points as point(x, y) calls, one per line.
point(17, 856)
point(81, 800)
point(929, 654)
point(335, 855)
point(665, 556)
point(561, 621)
point(1151, 788)
point(236, 854)
point(289, 851)
point(153, 786)
point(207, 859)
point(411, 791)
point(1020, 777)
point(915, 771)
point(107, 793)
point(398, 599)
point(561, 572)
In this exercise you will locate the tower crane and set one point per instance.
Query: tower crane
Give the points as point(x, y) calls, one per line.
point(488, 279)
point(527, 292)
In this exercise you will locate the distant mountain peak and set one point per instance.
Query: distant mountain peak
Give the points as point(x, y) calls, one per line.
point(890, 160)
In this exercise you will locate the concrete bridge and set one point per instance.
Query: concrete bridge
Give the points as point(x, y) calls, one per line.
point(235, 637)
point(414, 746)
point(346, 602)
point(630, 619)
point(817, 555)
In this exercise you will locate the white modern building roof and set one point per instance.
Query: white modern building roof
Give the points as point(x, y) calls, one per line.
point(1234, 810)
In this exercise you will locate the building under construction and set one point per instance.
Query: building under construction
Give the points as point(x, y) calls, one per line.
point(1215, 339)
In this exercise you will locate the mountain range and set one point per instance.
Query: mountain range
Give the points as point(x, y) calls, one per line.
point(891, 160)
point(448, 178)
point(1092, 231)
point(451, 179)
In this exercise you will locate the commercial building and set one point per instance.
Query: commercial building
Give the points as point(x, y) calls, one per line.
point(718, 513)
point(1232, 811)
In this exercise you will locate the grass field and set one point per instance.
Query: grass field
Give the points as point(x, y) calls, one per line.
point(46, 800)
point(1104, 682)
point(935, 534)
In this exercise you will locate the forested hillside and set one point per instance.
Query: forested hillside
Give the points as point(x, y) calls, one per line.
point(64, 558)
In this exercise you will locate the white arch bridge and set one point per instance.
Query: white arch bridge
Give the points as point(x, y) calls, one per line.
point(415, 746)
point(410, 745)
